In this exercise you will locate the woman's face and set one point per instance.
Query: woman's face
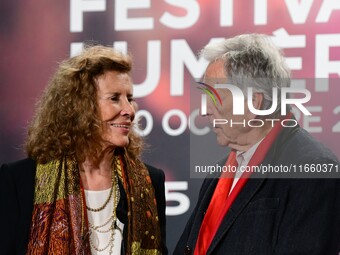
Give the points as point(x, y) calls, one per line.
point(116, 109)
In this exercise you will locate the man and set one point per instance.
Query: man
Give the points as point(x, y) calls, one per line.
point(263, 215)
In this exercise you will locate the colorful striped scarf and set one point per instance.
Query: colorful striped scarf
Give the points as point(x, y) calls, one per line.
point(59, 221)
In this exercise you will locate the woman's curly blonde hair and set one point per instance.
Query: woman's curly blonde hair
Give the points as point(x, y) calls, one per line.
point(66, 122)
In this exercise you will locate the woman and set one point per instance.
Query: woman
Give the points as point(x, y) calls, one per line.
point(83, 188)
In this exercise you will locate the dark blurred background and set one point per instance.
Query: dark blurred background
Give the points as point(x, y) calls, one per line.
point(164, 37)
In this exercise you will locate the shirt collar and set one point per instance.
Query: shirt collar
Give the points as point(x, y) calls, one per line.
point(243, 157)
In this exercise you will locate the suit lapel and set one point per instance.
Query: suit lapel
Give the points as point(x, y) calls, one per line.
point(243, 198)
point(207, 191)
point(240, 203)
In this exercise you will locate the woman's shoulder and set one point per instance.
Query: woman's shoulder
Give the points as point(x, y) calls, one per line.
point(19, 164)
point(155, 173)
point(20, 170)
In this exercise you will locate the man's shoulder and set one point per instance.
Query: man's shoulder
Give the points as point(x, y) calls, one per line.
point(301, 144)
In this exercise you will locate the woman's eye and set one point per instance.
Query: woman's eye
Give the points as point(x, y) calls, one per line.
point(115, 99)
point(131, 99)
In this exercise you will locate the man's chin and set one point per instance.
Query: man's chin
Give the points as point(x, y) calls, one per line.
point(222, 141)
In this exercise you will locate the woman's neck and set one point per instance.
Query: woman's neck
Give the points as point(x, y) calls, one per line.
point(97, 176)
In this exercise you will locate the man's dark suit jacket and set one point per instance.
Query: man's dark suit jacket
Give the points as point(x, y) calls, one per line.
point(16, 204)
point(276, 216)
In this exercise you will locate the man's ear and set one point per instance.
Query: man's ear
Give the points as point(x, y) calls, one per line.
point(257, 101)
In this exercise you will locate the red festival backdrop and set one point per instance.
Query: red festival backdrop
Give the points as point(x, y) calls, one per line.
point(164, 38)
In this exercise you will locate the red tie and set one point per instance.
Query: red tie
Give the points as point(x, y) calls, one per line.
point(214, 214)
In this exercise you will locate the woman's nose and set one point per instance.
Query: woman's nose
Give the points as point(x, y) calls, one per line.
point(128, 108)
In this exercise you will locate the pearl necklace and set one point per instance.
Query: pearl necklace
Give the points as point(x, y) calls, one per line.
point(111, 223)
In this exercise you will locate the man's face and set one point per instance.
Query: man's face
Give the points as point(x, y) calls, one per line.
point(226, 134)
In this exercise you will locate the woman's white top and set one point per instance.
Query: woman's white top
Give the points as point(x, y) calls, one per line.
point(95, 199)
